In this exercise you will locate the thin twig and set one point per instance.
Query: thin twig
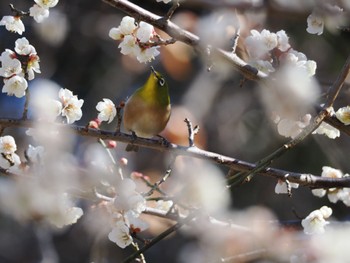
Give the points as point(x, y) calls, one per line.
point(172, 9)
point(110, 155)
point(163, 179)
point(191, 132)
point(26, 104)
point(119, 115)
point(246, 257)
point(17, 12)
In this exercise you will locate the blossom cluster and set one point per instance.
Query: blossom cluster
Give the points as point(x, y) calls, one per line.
point(291, 128)
point(334, 194)
point(136, 39)
point(125, 209)
point(327, 129)
point(39, 11)
point(40, 203)
point(17, 66)
point(268, 50)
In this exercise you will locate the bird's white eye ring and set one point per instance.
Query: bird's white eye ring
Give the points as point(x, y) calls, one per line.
point(161, 81)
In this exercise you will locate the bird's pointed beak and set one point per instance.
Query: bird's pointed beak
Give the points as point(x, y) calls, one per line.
point(153, 70)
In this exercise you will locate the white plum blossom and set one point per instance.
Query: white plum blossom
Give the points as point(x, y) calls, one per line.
point(204, 189)
point(33, 66)
point(8, 157)
point(7, 144)
point(7, 55)
point(72, 110)
point(42, 202)
point(22, 47)
point(45, 108)
point(129, 46)
point(258, 44)
point(107, 110)
point(343, 114)
point(319, 192)
point(46, 3)
point(71, 105)
point(35, 154)
point(67, 213)
point(327, 130)
point(9, 66)
point(315, 24)
point(334, 194)
point(128, 199)
point(283, 41)
point(13, 24)
point(120, 235)
point(315, 222)
point(15, 85)
point(127, 25)
point(298, 60)
point(331, 172)
point(65, 95)
point(292, 128)
point(39, 13)
point(53, 108)
point(115, 33)
point(147, 54)
point(144, 32)
point(269, 39)
point(346, 194)
point(282, 188)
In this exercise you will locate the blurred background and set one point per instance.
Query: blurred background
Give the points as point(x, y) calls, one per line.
point(76, 53)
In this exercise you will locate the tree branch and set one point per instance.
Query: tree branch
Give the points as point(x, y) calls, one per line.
point(184, 36)
point(309, 180)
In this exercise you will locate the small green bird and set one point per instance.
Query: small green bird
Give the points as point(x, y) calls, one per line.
point(147, 111)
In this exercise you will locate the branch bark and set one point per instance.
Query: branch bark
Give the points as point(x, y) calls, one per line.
point(305, 179)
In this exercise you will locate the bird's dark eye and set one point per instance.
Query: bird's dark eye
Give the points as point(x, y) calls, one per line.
point(161, 81)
